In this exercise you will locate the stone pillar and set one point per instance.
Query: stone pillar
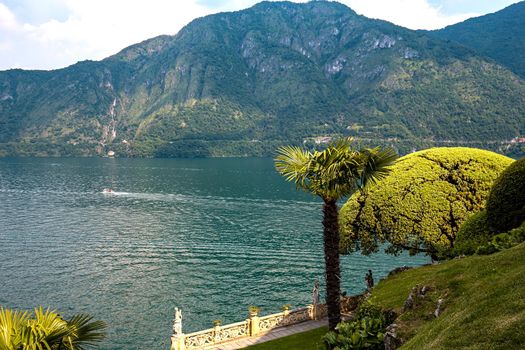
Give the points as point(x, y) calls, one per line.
point(315, 301)
point(312, 311)
point(177, 339)
point(254, 323)
point(177, 342)
point(217, 333)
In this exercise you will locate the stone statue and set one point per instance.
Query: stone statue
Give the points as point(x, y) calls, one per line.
point(177, 322)
point(315, 293)
point(411, 300)
point(369, 280)
point(439, 308)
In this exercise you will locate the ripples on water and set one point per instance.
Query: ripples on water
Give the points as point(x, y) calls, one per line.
point(211, 236)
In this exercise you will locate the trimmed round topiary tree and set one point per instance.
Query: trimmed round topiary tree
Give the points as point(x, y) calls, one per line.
point(472, 234)
point(506, 201)
point(423, 202)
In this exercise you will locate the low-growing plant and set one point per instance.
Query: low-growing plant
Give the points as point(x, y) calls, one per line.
point(366, 331)
point(367, 309)
point(286, 307)
point(254, 309)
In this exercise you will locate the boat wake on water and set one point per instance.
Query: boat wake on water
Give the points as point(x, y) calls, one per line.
point(110, 191)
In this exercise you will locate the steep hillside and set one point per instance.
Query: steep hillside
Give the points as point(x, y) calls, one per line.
point(500, 36)
point(483, 306)
point(244, 82)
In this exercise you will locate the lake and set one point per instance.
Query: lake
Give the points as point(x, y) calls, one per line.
point(210, 236)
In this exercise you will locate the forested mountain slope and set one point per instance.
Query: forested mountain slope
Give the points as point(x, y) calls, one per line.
point(500, 36)
point(277, 73)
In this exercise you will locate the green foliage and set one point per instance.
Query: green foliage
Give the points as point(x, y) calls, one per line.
point(331, 174)
point(422, 203)
point(506, 202)
point(483, 303)
point(473, 233)
point(45, 329)
point(367, 331)
point(505, 210)
point(254, 309)
point(367, 309)
point(484, 306)
point(335, 172)
point(242, 83)
point(499, 36)
point(503, 241)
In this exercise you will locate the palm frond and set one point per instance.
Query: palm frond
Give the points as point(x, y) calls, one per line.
point(47, 330)
point(335, 172)
point(84, 332)
point(294, 164)
point(376, 164)
point(11, 322)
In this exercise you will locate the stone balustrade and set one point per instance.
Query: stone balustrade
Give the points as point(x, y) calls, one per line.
point(212, 336)
point(253, 326)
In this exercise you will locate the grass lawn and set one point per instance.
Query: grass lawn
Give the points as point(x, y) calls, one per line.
point(484, 302)
point(484, 306)
point(310, 340)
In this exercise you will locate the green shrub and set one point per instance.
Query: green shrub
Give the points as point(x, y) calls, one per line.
point(368, 309)
point(503, 241)
point(423, 202)
point(472, 234)
point(366, 331)
point(506, 201)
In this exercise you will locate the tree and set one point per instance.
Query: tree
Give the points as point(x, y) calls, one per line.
point(334, 173)
point(423, 202)
point(506, 201)
point(46, 329)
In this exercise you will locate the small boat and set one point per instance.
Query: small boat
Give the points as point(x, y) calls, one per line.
point(107, 190)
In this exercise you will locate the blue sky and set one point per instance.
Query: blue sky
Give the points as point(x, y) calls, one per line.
point(49, 34)
point(452, 7)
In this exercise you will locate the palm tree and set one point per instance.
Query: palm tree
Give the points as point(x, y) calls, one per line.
point(46, 329)
point(334, 173)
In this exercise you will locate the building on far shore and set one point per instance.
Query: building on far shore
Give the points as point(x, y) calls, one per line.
point(518, 140)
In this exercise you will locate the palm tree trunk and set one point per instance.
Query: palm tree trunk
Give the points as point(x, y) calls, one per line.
point(331, 258)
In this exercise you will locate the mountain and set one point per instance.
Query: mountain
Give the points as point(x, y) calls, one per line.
point(242, 83)
point(500, 36)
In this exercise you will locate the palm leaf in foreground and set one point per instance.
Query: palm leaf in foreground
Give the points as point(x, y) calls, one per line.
point(46, 329)
point(84, 332)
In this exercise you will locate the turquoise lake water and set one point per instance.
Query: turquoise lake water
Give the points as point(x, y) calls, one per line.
point(210, 236)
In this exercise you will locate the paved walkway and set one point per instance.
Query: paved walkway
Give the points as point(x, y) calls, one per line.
point(273, 334)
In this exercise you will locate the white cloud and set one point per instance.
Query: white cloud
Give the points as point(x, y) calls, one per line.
point(7, 18)
point(95, 29)
point(413, 14)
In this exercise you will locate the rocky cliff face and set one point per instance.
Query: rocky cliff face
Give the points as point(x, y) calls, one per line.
point(244, 82)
